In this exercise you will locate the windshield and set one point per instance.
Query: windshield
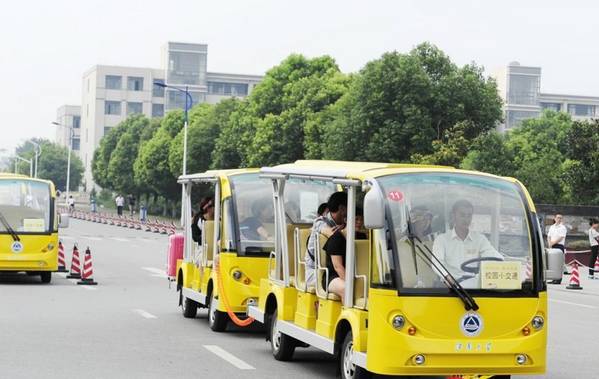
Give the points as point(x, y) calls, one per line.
point(255, 213)
point(25, 205)
point(302, 198)
point(476, 226)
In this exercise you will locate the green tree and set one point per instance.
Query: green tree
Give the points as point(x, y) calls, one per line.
point(281, 105)
point(231, 145)
point(52, 163)
point(490, 153)
point(102, 154)
point(581, 169)
point(405, 106)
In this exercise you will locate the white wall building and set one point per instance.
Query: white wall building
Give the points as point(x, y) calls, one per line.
point(69, 116)
point(111, 93)
point(520, 88)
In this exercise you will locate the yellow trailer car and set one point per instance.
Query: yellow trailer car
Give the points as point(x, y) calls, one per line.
point(222, 271)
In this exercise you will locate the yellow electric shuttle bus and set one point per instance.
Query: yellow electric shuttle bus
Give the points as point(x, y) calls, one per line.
point(222, 272)
point(450, 280)
point(28, 226)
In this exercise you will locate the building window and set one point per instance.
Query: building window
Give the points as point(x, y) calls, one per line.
point(157, 110)
point(524, 89)
point(583, 110)
point(552, 106)
point(112, 107)
point(76, 122)
point(113, 82)
point(176, 99)
point(514, 118)
point(186, 68)
point(227, 89)
point(157, 91)
point(134, 108)
point(107, 129)
point(76, 143)
point(135, 83)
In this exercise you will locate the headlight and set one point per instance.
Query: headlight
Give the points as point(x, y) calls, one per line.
point(538, 322)
point(398, 322)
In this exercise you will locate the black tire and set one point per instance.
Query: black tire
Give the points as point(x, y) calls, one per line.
point(46, 276)
point(282, 345)
point(189, 308)
point(217, 320)
point(347, 368)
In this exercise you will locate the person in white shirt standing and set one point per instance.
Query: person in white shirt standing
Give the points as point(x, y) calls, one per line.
point(556, 238)
point(120, 202)
point(593, 240)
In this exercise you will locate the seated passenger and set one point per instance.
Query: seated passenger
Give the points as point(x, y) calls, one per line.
point(421, 223)
point(361, 233)
point(335, 249)
point(206, 212)
point(252, 228)
point(325, 225)
point(322, 209)
point(460, 244)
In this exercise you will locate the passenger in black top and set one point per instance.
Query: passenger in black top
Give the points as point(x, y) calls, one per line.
point(335, 249)
point(206, 212)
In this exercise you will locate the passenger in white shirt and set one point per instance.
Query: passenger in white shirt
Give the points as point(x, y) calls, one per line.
point(556, 237)
point(460, 244)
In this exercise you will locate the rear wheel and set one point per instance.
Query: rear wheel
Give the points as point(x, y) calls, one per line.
point(281, 344)
point(46, 276)
point(189, 308)
point(217, 320)
point(346, 365)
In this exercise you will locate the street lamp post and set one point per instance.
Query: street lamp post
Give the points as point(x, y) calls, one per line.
point(38, 152)
point(70, 148)
point(24, 160)
point(188, 104)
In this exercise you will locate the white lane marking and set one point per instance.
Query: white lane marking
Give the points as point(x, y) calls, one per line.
point(93, 238)
point(570, 303)
point(229, 357)
point(156, 272)
point(119, 239)
point(146, 240)
point(66, 238)
point(144, 314)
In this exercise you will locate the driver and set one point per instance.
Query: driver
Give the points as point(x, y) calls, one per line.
point(460, 244)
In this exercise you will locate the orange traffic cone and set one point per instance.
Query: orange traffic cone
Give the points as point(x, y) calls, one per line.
point(75, 265)
point(596, 268)
point(87, 270)
point(62, 266)
point(575, 278)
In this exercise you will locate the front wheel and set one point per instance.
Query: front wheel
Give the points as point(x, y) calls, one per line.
point(281, 344)
point(217, 320)
point(346, 364)
point(189, 308)
point(46, 276)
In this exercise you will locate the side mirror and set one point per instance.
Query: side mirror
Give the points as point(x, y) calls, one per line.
point(63, 220)
point(374, 207)
point(555, 264)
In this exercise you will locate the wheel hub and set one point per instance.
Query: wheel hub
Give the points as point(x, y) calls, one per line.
point(348, 365)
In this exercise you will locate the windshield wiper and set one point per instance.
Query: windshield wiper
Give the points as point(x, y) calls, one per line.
point(9, 228)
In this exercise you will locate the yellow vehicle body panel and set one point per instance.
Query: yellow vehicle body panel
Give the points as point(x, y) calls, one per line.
point(439, 338)
point(239, 291)
point(286, 298)
point(40, 253)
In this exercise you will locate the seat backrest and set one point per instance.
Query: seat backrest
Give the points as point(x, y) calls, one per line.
point(208, 237)
point(362, 253)
point(415, 271)
point(304, 234)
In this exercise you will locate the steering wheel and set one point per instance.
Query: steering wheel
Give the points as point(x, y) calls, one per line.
point(468, 266)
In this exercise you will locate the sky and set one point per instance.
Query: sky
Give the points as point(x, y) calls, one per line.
point(46, 46)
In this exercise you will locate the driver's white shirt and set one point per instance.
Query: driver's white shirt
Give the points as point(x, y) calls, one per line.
point(452, 251)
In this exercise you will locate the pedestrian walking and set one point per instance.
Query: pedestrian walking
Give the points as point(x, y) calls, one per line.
point(71, 203)
point(556, 237)
point(594, 241)
point(120, 202)
point(131, 201)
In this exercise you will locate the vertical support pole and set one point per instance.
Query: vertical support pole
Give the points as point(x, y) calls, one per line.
point(350, 257)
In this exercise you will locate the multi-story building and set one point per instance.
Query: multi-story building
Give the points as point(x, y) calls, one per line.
point(111, 93)
point(520, 88)
point(69, 117)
